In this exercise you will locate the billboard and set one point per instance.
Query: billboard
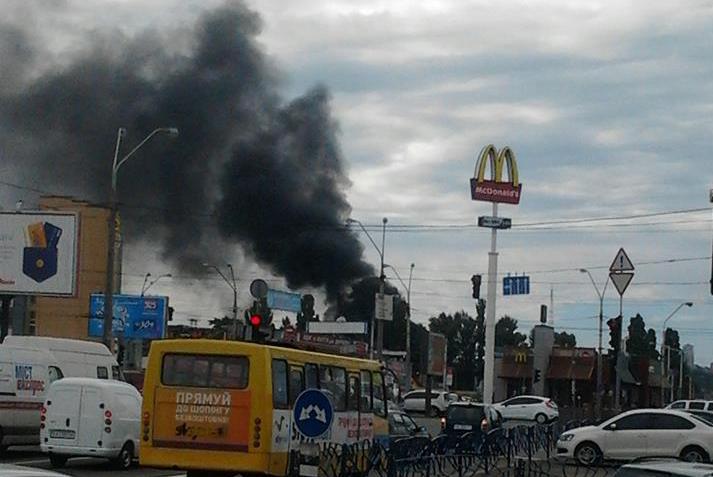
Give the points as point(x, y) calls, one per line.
point(135, 317)
point(436, 354)
point(281, 300)
point(38, 253)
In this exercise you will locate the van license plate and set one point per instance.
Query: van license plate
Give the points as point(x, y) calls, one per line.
point(462, 427)
point(62, 434)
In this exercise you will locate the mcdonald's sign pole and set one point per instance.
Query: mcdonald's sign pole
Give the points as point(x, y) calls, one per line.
point(494, 190)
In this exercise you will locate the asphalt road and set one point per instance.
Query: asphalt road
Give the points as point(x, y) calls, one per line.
point(80, 467)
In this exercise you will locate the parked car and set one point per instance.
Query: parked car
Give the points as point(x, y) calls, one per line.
point(640, 433)
point(91, 417)
point(462, 417)
point(415, 401)
point(529, 408)
point(402, 425)
point(691, 405)
point(664, 467)
point(705, 415)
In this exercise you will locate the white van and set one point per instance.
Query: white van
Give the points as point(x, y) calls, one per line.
point(28, 364)
point(76, 358)
point(91, 417)
point(25, 375)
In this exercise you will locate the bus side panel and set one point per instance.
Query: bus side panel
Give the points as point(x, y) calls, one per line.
point(280, 441)
point(202, 419)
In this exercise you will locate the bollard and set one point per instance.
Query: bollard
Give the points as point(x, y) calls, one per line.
point(309, 459)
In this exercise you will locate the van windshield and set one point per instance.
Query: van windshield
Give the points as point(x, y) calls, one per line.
point(209, 371)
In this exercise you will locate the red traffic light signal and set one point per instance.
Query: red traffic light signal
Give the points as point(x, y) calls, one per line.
point(255, 320)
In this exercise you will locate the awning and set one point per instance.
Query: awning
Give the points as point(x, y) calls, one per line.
point(516, 370)
point(562, 367)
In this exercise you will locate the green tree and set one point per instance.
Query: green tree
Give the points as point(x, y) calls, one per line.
point(461, 336)
point(641, 342)
point(221, 327)
point(565, 340)
point(506, 333)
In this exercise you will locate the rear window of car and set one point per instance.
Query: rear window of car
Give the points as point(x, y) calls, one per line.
point(209, 371)
point(678, 405)
point(465, 414)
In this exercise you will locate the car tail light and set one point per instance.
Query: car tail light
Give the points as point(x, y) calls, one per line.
point(443, 423)
point(107, 430)
point(107, 414)
point(549, 403)
point(256, 432)
point(43, 410)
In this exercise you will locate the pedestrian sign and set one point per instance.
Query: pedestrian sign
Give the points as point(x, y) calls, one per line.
point(312, 413)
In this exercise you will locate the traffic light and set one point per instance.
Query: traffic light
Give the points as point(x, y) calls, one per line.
point(614, 325)
point(259, 317)
point(543, 313)
point(170, 313)
point(537, 377)
point(476, 280)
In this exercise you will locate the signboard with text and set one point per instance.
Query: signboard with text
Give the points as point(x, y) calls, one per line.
point(516, 285)
point(286, 301)
point(135, 317)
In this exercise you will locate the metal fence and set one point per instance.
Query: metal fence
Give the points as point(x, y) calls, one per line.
point(518, 452)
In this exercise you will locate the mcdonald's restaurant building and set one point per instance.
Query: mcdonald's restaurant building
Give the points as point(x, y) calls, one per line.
point(569, 375)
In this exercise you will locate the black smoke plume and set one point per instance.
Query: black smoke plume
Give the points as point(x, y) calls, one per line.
point(247, 166)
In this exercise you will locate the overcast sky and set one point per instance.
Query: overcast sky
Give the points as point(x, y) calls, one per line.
point(607, 106)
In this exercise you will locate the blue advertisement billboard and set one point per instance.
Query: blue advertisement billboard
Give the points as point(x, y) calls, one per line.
point(135, 317)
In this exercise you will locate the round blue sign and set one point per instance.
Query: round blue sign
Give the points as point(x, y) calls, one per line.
point(312, 413)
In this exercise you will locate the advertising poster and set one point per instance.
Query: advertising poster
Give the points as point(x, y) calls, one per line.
point(135, 317)
point(38, 253)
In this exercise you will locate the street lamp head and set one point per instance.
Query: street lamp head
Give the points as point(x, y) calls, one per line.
point(148, 274)
point(413, 265)
point(689, 304)
point(582, 270)
point(351, 221)
point(384, 220)
point(173, 132)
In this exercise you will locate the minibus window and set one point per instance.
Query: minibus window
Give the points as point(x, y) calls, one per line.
point(339, 388)
point(296, 383)
point(353, 396)
point(279, 384)
point(311, 376)
point(366, 391)
point(213, 371)
point(379, 401)
point(102, 372)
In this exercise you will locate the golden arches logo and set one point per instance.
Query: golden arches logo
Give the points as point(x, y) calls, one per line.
point(520, 357)
point(495, 189)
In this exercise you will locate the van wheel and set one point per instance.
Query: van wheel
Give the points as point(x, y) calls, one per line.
point(58, 461)
point(126, 457)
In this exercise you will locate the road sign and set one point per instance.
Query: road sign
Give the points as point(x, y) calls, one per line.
point(621, 281)
point(258, 288)
point(281, 300)
point(384, 307)
point(494, 222)
point(312, 413)
point(516, 285)
point(336, 328)
point(621, 262)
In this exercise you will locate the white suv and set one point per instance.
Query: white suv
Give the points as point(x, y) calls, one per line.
point(528, 408)
point(415, 401)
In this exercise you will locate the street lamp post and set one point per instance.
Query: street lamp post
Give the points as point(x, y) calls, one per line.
point(231, 283)
point(408, 315)
point(380, 251)
point(108, 337)
point(145, 287)
point(598, 397)
point(664, 371)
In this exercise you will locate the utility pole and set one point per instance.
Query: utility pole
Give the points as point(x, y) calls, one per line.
point(620, 362)
point(489, 364)
point(382, 283)
point(598, 396)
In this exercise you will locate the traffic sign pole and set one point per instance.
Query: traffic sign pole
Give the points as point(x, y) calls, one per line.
point(621, 274)
point(489, 358)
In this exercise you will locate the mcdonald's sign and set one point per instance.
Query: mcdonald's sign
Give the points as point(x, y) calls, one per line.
point(520, 357)
point(495, 189)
